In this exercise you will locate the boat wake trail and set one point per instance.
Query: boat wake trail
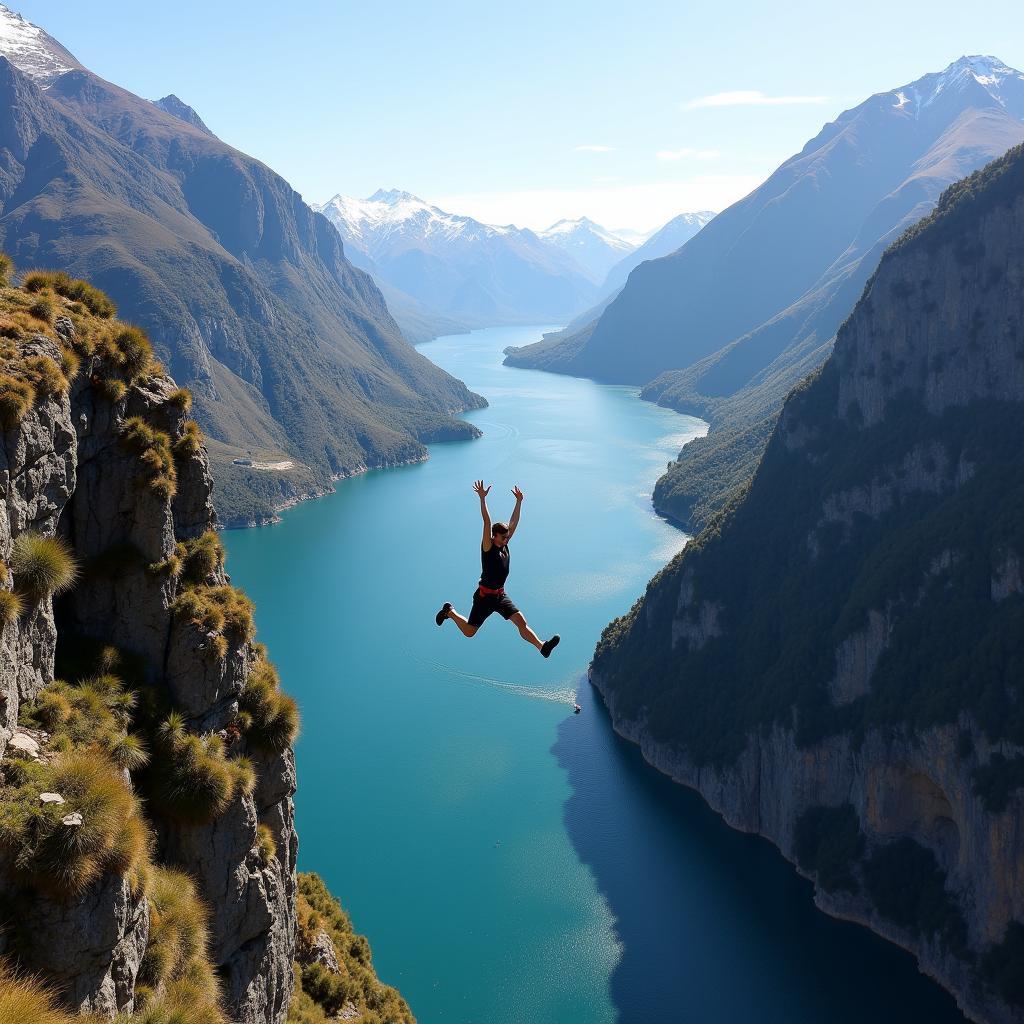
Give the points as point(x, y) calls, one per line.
point(562, 695)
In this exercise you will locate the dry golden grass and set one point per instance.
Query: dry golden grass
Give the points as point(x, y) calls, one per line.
point(42, 566)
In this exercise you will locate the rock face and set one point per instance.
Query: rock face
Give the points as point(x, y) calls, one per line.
point(64, 468)
point(833, 663)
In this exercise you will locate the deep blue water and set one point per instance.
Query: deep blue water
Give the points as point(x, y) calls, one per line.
point(511, 861)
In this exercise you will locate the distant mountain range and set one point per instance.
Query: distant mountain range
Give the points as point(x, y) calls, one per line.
point(474, 272)
point(289, 349)
point(728, 323)
point(594, 248)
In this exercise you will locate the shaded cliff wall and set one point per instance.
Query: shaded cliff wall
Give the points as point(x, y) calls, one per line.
point(834, 663)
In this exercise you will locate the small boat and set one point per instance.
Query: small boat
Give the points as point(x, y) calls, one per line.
point(576, 709)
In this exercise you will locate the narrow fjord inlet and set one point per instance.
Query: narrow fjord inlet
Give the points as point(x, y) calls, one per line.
point(508, 860)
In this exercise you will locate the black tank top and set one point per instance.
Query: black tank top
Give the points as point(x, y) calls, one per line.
point(494, 567)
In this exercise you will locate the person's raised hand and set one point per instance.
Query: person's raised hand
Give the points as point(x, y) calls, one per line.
point(518, 493)
point(478, 486)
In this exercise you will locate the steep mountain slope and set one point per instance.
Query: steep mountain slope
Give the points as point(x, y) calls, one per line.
point(676, 233)
point(775, 269)
point(594, 248)
point(478, 273)
point(835, 662)
point(290, 351)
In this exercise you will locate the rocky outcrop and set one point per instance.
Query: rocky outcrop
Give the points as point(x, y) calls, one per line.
point(65, 469)
point(832, 663)
point(37, 476)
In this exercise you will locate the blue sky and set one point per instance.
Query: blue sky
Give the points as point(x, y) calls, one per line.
point(525, 115)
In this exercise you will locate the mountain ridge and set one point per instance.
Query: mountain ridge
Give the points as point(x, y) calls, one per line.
point(220, 259)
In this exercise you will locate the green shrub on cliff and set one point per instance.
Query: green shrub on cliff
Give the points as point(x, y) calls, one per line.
point(223, 610)
point(191, 779)
point(42, 566)
point(320, 993)
point(271, 717)
point(191, 441)
point(153, 449)
point(62, 847)
point(202, 557)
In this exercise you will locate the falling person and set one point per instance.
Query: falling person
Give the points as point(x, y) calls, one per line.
point(490, 594)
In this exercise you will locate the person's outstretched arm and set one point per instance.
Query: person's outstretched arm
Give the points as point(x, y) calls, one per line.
point(514, 521)
point(482, 491)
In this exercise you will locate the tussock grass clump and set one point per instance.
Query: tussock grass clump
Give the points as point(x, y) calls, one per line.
point(24, 1001)
point(192, 778)
point(266, 848)
point(223, 610)
point(112, 389)
point(43, 309)
point(171, 567)
point(45, 376)
point(10, 607)
point(181, 398)
point(134, 353)
point(42, 566)
point(271, 718)
point(320, 994)
point(187, 446)
point(153, 448)
point(202, 557)
point(61, 858)
point(97, 302)
point(175, 969)
point(6, 270)
point(70, 362)
point(94, 714)
point(16, 398)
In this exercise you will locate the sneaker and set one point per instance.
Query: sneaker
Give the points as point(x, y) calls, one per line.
point(443, 613)
point(550, 645)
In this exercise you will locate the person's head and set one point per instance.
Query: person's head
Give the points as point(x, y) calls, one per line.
point(499, 534)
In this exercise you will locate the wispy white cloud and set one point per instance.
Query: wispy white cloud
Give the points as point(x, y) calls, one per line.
point(686, 153)
point(594, 149)
point(749, 98)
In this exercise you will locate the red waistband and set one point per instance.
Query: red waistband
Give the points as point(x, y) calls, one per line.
point(487, 592)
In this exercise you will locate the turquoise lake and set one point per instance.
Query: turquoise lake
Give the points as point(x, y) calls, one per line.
point(511, 861)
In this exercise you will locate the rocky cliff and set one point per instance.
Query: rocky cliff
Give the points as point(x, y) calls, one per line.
point(834, 663)
point(147, 840)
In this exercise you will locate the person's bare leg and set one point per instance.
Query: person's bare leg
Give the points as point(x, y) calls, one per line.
point(463, 624)
point(525, 632)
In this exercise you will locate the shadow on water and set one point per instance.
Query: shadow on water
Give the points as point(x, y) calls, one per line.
point(715, 926)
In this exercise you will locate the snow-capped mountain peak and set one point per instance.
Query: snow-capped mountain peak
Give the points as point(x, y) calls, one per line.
point(1005, 85)
point(393, 196)
point(31, 50)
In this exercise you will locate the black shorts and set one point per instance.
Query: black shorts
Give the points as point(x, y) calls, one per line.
point(485, 604)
